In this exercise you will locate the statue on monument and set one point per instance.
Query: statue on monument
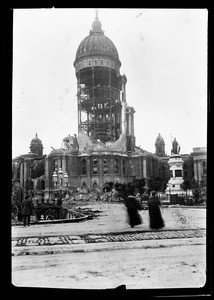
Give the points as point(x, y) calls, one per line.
point(175, 147)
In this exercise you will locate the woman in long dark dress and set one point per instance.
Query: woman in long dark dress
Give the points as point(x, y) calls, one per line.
point(156, 220)
point(133, 205)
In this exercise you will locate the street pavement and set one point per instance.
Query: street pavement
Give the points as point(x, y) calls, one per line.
point(110, 225)
point(180, 245)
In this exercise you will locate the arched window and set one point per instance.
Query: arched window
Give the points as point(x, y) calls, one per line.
point(105, 166)
point(84, 185)
point(84, 166)
point(55, 163)
point(116, 167)
point(95, 166)
point(124, 166)
point(94, 186)
point(204, 167)
point(185, 168)
point(43, 184)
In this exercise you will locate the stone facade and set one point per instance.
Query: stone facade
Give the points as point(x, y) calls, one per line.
point(199, 155)
point(96, 163)
point(91, 164)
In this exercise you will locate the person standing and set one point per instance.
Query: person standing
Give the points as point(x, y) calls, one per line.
point(156, 220)
point(27, 209)
point(133, 205)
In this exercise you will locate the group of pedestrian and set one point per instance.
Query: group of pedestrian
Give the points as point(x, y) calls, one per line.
point(133, 206)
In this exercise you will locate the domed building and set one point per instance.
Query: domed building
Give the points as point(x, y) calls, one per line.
point(104, 149)
point(28, 170)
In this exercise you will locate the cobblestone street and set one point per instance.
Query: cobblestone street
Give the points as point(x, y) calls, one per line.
point(105, 252)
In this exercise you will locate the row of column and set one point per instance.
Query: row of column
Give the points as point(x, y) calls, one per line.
point(197, 170)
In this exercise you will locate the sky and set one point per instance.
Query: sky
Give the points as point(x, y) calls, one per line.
point(164, 57)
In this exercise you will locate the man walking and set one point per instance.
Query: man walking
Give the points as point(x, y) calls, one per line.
point(27, 209)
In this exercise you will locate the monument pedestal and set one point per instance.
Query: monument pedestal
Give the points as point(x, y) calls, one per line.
point(176, 175)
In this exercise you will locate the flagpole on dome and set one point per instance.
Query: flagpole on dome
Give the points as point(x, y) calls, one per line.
point(96, 13)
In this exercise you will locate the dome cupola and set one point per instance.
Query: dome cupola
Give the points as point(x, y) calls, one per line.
point(159, 140)
point(36, 146)
point(96, 26)
point(160, 146)
point(96, 47)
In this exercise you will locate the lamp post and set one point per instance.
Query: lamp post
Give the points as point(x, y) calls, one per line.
point(60, 178)
point(55, 178)
point(60, 174)
point(66, 182)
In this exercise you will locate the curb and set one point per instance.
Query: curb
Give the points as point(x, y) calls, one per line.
point(83, 247)
point(136, 231)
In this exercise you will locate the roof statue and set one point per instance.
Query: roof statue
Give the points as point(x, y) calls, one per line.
point(71, 143)
point(175, 147)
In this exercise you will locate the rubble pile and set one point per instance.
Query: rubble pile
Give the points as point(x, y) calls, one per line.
point(90, 197)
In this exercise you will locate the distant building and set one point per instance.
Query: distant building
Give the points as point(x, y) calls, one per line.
point(28, 170)
point(199, 155)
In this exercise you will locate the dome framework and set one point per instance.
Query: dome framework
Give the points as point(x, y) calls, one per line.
point(99, 83)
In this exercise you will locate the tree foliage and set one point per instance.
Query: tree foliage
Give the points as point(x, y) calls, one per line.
point(140, 184)
point(189, 184)
point(16, 197)
point(157, 184)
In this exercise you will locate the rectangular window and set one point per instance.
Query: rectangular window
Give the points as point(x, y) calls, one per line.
point(105, 166)
point(124, 166)
point(116, 165)
point(94, 170)
point(84, 167)
point(178, 173)
point(95, 165)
